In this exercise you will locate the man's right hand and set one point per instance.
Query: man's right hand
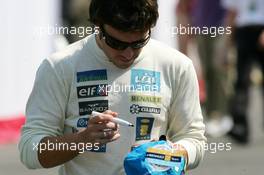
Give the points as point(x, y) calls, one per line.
point(100, 129)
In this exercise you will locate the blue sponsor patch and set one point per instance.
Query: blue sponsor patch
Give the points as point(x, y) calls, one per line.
point(145, 80)
point(82, 122)
point(92, 75)
point(143, 128)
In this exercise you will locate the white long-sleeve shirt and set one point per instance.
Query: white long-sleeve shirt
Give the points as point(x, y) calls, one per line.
point(158, 94)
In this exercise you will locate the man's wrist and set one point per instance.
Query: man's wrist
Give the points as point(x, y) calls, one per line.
point(180, 149)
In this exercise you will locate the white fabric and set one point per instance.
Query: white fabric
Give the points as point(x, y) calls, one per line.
point(54, 105)
point(22, 49)
point(249, 12)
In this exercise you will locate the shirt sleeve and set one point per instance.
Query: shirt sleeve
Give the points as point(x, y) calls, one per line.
point(45, 112)
point(186, 125)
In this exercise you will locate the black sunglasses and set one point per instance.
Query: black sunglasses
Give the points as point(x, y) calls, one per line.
point(121, 45)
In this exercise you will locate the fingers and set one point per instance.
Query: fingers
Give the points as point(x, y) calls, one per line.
point(103, 121)
point(104, 117)
point(104, 137)
point(106, 140)
point(100, 129)
point(103, 126)
point(114, 114)
point(101, 118)
point(105, 134)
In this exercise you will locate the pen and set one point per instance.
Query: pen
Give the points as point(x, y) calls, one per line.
point(115, 119)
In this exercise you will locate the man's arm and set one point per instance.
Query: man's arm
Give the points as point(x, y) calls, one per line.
point(45, 116)
point(45, 112)
point(93, 135)
point(51, 158)
point(186, 127)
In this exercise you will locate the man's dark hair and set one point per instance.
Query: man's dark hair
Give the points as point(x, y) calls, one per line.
point(125, 15)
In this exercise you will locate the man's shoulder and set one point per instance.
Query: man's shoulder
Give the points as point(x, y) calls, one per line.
point(165, 54)
point(70, 52)
point(66, 60)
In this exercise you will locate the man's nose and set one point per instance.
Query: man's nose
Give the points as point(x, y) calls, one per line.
point(128, 53)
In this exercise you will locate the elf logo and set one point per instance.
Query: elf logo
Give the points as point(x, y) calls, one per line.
point(92, 91)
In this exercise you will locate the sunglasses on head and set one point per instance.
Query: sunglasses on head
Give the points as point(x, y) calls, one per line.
point(121, 45)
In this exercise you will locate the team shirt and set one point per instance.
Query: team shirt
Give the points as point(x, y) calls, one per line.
point(158, 94)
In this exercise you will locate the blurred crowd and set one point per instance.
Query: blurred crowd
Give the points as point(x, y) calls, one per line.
point(228, 36)
point(222, 55)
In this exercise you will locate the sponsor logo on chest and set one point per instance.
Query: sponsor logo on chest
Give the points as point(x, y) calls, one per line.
point(92, 91)
point(136, 109)
point(92, 75)
point(88, 106)
point(145, 80)
point(145, 99)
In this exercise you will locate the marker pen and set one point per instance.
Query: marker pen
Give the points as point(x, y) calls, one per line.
point(115, 119)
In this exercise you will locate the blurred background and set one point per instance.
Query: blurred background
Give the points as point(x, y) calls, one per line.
point(224, 38)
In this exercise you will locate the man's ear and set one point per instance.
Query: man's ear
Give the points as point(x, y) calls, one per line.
point(96, 29)
point(100, 33)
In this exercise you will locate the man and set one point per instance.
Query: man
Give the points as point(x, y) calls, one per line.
point(208, 14)
point(93, 75)
point(247, 18)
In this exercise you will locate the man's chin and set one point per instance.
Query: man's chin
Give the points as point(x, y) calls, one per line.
point(123, 64)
